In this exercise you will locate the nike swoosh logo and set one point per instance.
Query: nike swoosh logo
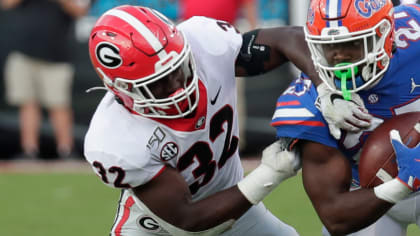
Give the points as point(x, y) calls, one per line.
point(213, 101)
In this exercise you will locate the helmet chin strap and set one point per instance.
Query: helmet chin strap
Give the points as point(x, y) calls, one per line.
point(344, 75)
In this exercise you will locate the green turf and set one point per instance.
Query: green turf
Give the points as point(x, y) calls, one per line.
point(79, 204)
point(290, 203)
point(56, 204)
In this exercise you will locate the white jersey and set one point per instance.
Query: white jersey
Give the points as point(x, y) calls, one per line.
point(128, 150)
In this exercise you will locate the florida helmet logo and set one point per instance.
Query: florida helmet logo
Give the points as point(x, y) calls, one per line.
point(367, 8)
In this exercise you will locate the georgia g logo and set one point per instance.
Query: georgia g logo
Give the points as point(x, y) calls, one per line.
point(148, 223)
point(108, 55)
point(367, 7)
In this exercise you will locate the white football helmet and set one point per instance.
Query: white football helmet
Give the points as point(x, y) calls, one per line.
point(133, 47)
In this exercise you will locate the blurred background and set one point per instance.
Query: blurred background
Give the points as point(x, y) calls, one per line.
point(257, 95)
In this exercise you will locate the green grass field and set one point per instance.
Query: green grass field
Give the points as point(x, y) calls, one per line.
point(79, 204)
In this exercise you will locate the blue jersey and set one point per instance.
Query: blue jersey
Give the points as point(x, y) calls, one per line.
point(396, 93)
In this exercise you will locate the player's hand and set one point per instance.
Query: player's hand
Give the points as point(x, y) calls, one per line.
point(277, 165)
point(408, 160)
point(277, 157)
point(342, 114)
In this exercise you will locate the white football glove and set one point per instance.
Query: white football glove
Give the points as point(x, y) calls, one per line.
point(277, 164)
point(277, 157)
point(342, 114)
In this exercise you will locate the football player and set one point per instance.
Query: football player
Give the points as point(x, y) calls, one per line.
point(365, 51)
point(166, 132)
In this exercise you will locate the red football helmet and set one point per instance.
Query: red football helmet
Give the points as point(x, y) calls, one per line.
point(364, 25)
point(133, 48)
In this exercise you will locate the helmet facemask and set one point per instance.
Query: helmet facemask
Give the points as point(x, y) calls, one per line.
point(346, 77)
point(179, 104)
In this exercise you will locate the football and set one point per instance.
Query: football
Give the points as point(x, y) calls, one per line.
point(377, 159)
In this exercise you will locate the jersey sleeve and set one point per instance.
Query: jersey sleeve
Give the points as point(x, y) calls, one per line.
point(212, 37)
point(118, 172)
point(296, 115)
point(115, 146)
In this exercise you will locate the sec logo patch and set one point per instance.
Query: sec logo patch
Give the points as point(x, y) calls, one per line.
point(169, 151)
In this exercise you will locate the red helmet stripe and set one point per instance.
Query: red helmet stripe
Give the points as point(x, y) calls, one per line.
point(139, 27)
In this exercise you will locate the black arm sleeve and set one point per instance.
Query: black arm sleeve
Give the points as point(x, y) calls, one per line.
point(252, 56)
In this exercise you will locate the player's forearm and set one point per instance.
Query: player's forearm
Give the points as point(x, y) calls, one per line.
point(352, 211)
point(297, 52)
point(213, 210)
point(210, 216)
point(175, 207)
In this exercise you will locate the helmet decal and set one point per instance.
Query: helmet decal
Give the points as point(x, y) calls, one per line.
point(333, 32)
point(311, 16)
point(151, 37)
point(333, 11)
point(108, 55)
point(367, 8)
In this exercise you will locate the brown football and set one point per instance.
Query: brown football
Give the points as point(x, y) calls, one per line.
point(377, 160)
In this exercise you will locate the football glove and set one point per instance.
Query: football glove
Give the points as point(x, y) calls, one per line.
point(342, 114)
point(277, 165)
point(280, 159)
point(408, 160)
